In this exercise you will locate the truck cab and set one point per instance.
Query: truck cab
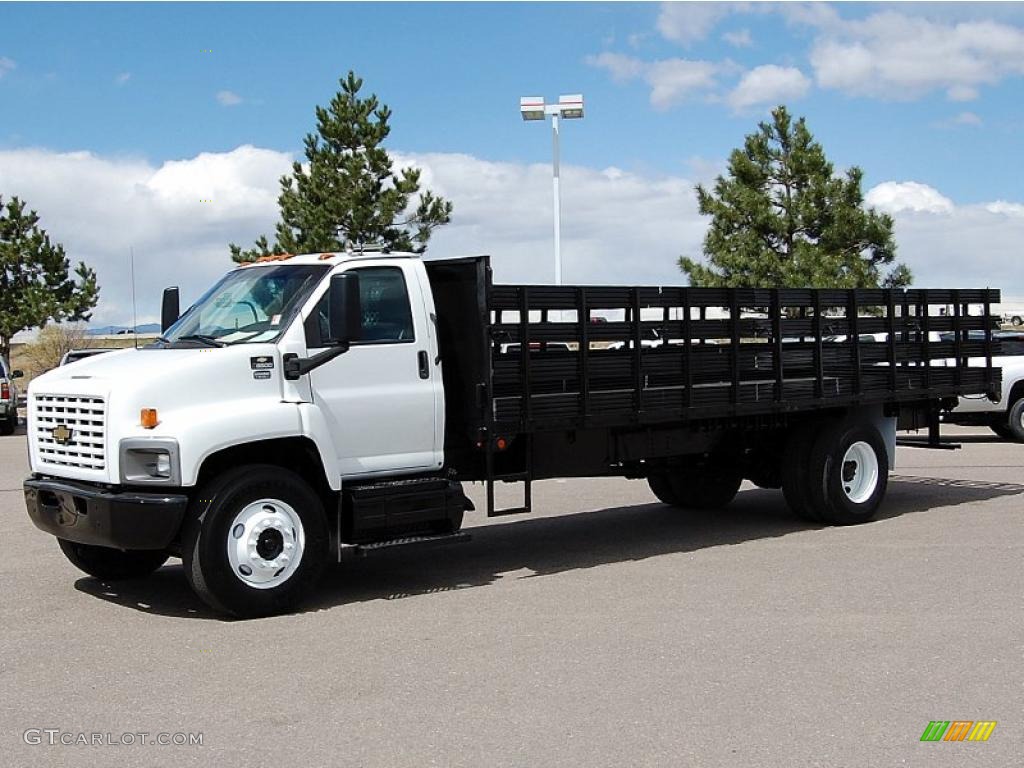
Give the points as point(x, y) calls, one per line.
point(251, 383)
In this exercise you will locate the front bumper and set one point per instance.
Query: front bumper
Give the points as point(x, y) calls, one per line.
point(88, 514)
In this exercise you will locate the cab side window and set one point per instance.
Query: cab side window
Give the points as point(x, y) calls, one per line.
point(387, 316)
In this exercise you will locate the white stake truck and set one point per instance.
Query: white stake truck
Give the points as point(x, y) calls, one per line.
point(308, 405)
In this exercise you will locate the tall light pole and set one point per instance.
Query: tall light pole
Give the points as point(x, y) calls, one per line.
point(570, 108)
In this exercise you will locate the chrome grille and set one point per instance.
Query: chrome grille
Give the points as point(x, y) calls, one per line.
point(84, 417)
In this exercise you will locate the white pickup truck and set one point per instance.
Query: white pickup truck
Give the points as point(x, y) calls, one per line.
point(1005, 417)
point(307, 406)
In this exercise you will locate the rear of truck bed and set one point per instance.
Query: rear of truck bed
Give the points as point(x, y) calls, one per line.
point(546, 381)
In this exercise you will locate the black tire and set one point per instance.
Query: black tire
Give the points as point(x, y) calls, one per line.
point(1003, 430)
point(451, 525)
point(112, 564)
point(796, 460)
point(711, 486)
point(706, 486)
point(7, 426)
point(1015, 422)
point(661, 487)
point(209, 532)
point(832, 474)
point(769, 478)
point(1017, 320)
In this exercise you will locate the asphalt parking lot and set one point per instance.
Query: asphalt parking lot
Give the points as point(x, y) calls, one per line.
point(604, 630)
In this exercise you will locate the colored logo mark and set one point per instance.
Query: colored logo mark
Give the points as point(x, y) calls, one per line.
point(958, 730)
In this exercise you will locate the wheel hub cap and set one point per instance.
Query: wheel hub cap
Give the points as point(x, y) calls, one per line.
point(860, 472)
point(265, 543)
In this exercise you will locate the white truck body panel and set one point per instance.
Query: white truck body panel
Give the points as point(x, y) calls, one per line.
point(357, 409)
point(1013, 373)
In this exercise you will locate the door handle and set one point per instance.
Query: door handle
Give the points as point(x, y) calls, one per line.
point(424, 359)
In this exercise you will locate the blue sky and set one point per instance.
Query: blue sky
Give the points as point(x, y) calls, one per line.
point(927, 98)
point(452, 74)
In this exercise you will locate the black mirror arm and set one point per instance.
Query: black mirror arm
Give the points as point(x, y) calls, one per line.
point(296, 367)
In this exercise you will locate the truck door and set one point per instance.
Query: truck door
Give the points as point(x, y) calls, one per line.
point(378, 398)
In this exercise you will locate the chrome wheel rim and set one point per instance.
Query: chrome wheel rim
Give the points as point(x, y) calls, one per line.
point(265, 543)
point(859, 472)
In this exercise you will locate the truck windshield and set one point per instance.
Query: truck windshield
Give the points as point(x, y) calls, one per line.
point(253, 304)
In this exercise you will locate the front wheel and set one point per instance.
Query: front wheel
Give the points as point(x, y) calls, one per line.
point(112, 564)
point(256, 541)
point(1002, 430)
point(1015, 421)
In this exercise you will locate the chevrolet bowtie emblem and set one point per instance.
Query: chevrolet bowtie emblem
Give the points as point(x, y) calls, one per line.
point(61, 434)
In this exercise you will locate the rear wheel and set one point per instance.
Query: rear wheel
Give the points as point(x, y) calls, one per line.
point(706, 486)
point(8, 425)
point(256, 541)
point(795, 465)
point(848, 473)
point(112, 564)
point(661, 487)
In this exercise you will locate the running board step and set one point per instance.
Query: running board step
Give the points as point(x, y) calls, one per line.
point(935, 446)
point(362, 550)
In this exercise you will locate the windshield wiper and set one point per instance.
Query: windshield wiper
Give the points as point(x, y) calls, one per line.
point(211, 340)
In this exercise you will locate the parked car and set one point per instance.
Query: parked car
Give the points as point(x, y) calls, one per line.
point(75, 355)
point(8, 398)
point(1006, 417)
point(1014, 317)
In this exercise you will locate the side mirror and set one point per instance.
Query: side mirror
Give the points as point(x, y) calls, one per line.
point(17, 373)
point(170, 309)
point(344, 311)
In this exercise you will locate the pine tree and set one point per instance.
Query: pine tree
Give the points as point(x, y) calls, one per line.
point(780, 217)
point(35, 284)
point(349, 194)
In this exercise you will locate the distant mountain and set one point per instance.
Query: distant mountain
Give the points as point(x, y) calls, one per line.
point(111, 330)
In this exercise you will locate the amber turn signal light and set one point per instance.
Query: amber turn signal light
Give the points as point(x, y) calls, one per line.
point(148, 418)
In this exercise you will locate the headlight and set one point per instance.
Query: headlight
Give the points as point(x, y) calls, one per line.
point(150, 461)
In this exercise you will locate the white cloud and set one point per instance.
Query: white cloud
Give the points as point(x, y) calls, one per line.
point(687, 23)
point(895, 56)
point(228, 98)
point(617, 226)
point(967, 118)
point(969, 246)
point(6, 65)
point(769, 84)
point(897, 196)
point(961, 93)
point(99, 207)
point(123, 78)
point(621, 67)
point(1003, 208)
point(739, 39)
point(672, 81)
